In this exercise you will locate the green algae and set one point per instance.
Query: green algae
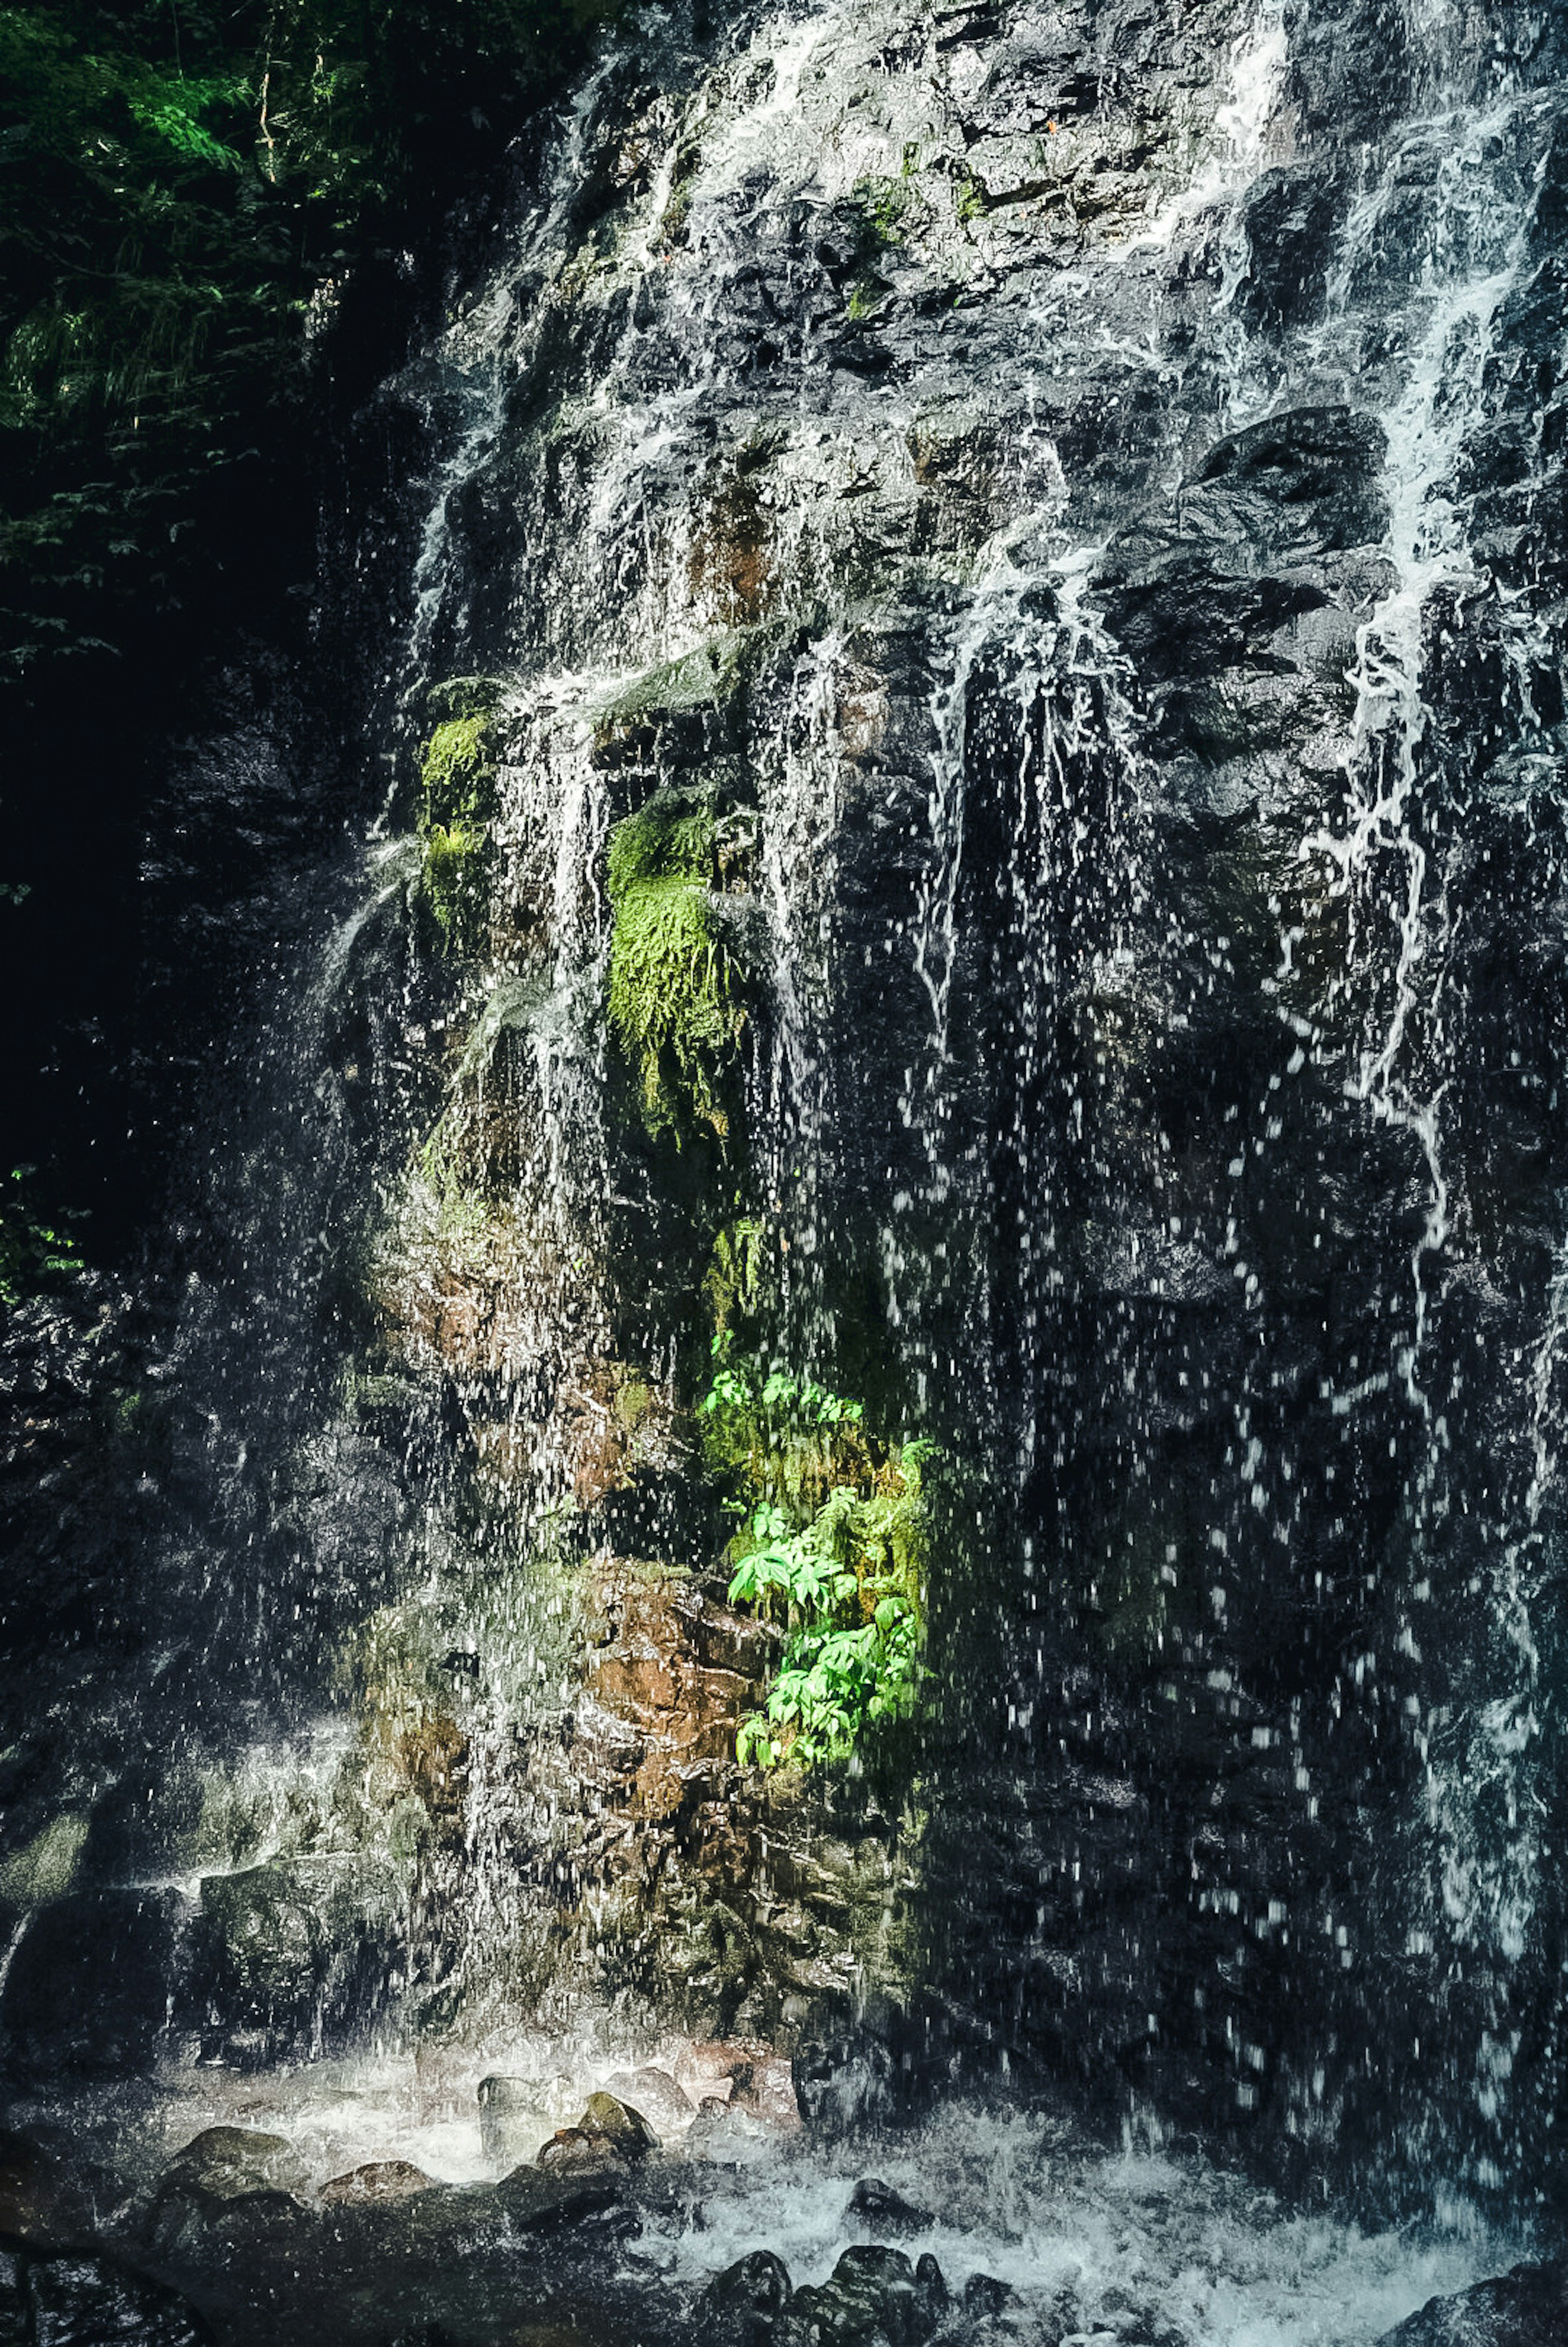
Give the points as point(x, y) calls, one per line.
point(676, 1003)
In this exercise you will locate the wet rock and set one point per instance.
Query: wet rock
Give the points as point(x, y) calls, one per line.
point(768, 2092)
point(41, 2202)
point(562, 2199)
point(742, 2306)
point(296, 1949)
point(226, 2162)
point(876, 2209)
point(985, 2294)
point(583, 2151)
point(377, 2180)
point(711, 2071)
point(81, 2302)
point(618, 2125)
point(845, 2083)
point(91, 1980)
point(230, 2188)
point(875, 2298)
point(514, 2112)
point(1525, 2308)
point(653, 2096)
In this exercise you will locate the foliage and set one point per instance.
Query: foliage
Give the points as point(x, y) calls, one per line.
point(835, 1547)
point(458, 775)
point(182, 190)
point(675, 1003)
point(34, 1254)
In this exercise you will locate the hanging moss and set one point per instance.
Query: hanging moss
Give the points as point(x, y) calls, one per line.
point(675, 1002)
point(458, 775)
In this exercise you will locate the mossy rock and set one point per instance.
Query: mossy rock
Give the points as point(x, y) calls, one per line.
point(677, 1004)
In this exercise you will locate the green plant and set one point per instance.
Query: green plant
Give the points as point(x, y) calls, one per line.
point(34, 1254)
point(674, 1000)
point(834, 1546)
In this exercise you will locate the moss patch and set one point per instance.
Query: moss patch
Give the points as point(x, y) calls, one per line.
point(457, 772)
point(676, 1005)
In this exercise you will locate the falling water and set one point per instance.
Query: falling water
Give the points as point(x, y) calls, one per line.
point(1063, 517)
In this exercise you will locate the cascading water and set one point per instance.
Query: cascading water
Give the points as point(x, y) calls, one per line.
point(957, 986)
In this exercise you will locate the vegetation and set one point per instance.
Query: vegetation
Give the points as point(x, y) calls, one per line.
point(676, 1005)
point(35, 1254)
point(457, 774)
point(184, 187)
point(834, 1545)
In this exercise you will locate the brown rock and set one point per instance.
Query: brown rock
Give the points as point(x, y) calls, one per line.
point(768, 2093)
point(379, 2179)
point(711, 2070)
point(583, 2151)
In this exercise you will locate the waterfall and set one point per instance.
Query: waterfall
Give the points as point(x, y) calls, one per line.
point(947, 984)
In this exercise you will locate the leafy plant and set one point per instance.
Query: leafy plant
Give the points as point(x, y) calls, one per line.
point(34, 1254)
point(843, 1569)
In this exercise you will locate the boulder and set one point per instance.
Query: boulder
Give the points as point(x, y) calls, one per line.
point(230, 2187)
point(875, 2298)
point(514, 2112)
point(379, 2180)
point(226, 2163)
point(561, 2197)
point(1527, 2307)
point(874, 2207)
point(653, 2095)
point(627, 2129)
point(742, 2306)
point(583, 2151)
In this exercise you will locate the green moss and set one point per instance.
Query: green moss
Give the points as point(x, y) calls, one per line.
point(35, 1255)
point(701, 679)
point(457, 772)
point(736, 1273)
point(674, 1000)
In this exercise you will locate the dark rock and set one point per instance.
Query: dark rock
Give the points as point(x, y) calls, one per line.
point(876, 2209)
point(875, 2298)
point(1527, 2307)
point(82, 2302)
point(542, 2200)
point(90, 1982)
point(742, 2306)
point(985, 2294)
point(583, 2151)
point(41, 2201)
point(616, 2124)
point(227, 2162)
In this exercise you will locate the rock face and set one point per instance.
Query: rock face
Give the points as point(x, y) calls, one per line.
point(977, 707)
